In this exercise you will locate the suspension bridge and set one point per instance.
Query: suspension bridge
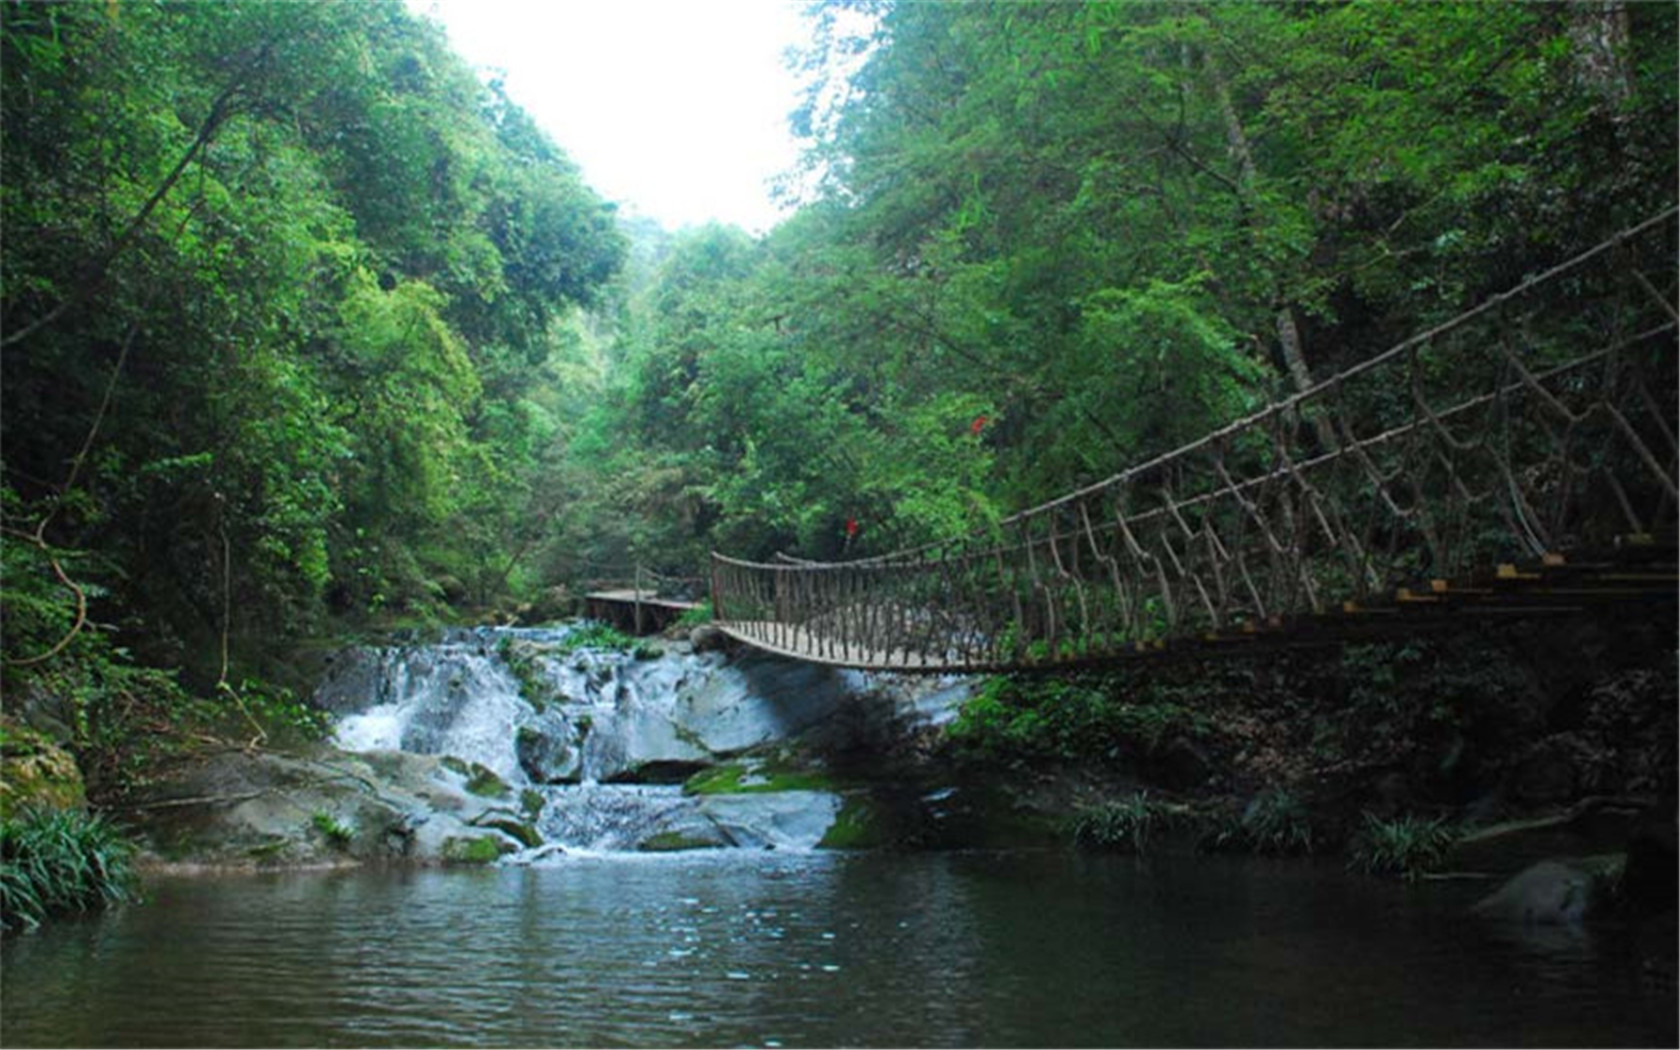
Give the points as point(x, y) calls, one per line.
point(1518, 459)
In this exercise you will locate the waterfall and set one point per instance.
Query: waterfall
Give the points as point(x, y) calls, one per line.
point(605, 738)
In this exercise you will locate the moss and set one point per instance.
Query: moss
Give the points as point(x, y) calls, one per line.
point(736, 778)
point(483, 849)
point(481, 781)
point(856, 826)
point(524, 833)
point(337, 834)
point(36, 773)
point(673, 842)
point(523, 662)
point(531, 804)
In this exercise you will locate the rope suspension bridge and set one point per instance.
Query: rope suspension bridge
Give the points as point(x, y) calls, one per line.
point(1517, 459)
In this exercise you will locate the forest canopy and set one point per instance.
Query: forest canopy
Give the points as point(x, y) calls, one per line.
point(304, 323)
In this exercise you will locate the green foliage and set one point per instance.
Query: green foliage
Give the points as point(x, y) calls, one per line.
point(592, 634)
point(1124, 826)
point(55, 861)
point(1103, 718)
point(856, 826)
point(331, 828)
point(330, 338)
point(695, 617)
point(1409, 846)
point(1275, 822)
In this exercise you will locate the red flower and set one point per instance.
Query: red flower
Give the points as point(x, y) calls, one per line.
point(979, 424)
point(851, 526)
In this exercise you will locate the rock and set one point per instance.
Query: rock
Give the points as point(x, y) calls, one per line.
point(546, 757)
point(774, 819)
point(480, 849)
point(34, 771)
point(758, 700)
point(677, 841)
point(707, 638)
point(634, 737)
point(659, 771)
point(1548, 893)
point(325, 807)
point(538, 855)
point(355, 680)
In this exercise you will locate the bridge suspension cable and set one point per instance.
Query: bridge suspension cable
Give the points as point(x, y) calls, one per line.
point(1487, 460)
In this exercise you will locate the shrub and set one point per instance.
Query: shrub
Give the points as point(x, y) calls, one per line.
point(54, 861)
point(1122, 826)
point(1276, 821)
point(1409, 846)
point(592, 634)
point(1080, 717)
point(700, 614)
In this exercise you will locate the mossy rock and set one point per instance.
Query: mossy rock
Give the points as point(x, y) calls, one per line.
point(481, 781)
point(739, 778)
point(36, 773)
point(523, 832)
point(483, 849)
point(675, 842)
point(531, 804)
point(856, 826)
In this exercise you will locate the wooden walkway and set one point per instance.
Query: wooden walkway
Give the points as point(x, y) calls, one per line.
point(639, 612)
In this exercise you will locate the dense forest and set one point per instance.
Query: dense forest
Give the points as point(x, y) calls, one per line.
point(307, 328)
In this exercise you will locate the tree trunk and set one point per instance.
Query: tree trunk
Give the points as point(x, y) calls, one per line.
point(1288, 332)
point(1599, 31)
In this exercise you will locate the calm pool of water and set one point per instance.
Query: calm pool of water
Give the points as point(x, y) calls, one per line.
point(767, 949)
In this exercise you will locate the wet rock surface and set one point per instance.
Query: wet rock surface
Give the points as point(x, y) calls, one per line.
point(506, 743)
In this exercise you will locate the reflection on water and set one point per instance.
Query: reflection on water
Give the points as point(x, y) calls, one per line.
point(814, 949)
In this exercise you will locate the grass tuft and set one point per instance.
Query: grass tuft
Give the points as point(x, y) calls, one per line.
point(1409, 847)
point(54, 861)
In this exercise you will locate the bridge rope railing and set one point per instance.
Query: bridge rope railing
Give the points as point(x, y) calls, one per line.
point(1538, 421)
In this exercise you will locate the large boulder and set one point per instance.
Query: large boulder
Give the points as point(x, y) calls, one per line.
point(708, 639)
point(1549, 893)
point(774, 819)
point(328, 808)
point(757, 700)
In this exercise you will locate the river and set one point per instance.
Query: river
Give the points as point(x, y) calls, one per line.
point(780, 948)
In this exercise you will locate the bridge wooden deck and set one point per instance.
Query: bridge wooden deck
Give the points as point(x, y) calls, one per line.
point(1641, 578)
point(637, 611)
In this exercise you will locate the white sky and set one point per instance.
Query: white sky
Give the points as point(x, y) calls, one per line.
point(675, 110)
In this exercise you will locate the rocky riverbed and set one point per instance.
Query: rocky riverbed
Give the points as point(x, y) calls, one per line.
point(511, 743)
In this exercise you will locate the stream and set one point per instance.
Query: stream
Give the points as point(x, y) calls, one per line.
point(747, 948)
point(764, 940)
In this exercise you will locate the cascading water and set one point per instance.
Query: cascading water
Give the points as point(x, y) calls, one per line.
point(603, 737)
